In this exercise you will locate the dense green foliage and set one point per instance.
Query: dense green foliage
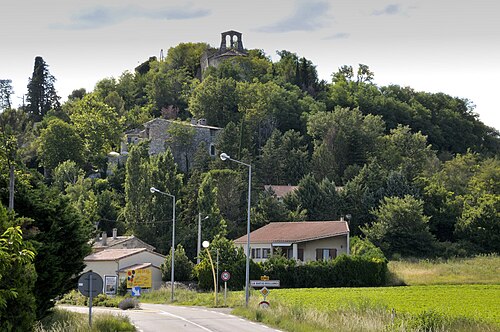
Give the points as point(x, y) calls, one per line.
point(417, 172)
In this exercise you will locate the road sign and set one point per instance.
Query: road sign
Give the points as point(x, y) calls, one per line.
point(264, 277)
point(84, 284)
point(225, 276)
point(136, 291)
point(264, 304)
point(140, 277)
point(265, 283)
point(264, 291)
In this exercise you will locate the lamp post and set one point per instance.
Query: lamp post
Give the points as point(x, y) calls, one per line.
point(199, 237)
point(225, 157)
point(154, 190)
point(205, 245)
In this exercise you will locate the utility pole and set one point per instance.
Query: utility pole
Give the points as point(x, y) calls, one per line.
point(11, 188)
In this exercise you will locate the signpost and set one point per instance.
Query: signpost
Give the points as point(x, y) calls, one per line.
point(225, 276)
point(90, 284)
point(264, 282)
point(136, 291)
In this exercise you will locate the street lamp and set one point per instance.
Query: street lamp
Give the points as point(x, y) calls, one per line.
point(154, 190)
point(225, 157)
point(205, 245)
point(199, 237)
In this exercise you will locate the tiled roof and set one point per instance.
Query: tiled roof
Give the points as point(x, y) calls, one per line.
point(295, 231)
point(113, 254)
point(281, 191)
point(110, 241)
point(137, 267)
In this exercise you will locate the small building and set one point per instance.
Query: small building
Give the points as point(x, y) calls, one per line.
point(190, 137)
point(304, 241)
point(231, 46)
point(118, 262)
point(119, 242)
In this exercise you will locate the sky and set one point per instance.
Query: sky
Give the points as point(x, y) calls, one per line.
point(449, 46)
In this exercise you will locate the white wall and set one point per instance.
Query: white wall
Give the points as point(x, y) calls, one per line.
point(338, 242)
point(111, 267)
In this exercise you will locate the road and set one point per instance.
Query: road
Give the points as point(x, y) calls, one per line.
point(163, 317)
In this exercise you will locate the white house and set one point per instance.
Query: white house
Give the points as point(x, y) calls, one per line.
point(119, 242)
point(304, 241)
point(118, 262)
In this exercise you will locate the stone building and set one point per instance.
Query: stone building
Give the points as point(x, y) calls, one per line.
point(183, 139)
point(231, 45)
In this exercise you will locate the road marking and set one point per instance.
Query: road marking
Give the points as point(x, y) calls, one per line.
point(186, 320)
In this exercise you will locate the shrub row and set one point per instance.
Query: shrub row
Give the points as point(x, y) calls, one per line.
point(344, 271)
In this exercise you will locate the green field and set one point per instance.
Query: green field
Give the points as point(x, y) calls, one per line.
point(480, 302)
point(477, 270)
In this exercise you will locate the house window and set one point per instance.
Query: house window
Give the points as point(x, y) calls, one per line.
point(256, 253)
point(212, 132)
point(300, 253)
point(266, 253)
point(212, 150)
point(289, 253)
point(325, 254)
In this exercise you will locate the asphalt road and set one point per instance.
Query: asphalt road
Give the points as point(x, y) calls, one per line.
point(163, 317)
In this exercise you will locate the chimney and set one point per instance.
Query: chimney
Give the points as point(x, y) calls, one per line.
point(115, 231)
point(341, 218)
point(104, 239)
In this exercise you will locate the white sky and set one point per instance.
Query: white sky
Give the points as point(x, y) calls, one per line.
point(449, 46)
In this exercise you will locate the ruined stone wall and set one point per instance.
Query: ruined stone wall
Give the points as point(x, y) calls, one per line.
point(156, 131)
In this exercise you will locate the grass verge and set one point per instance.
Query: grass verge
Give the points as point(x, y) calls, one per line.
point(62, 321)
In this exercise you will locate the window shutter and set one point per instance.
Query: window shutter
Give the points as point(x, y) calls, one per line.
point(319, 254)
point(333, 253)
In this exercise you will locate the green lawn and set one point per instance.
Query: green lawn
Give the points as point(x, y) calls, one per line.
point(471, 301)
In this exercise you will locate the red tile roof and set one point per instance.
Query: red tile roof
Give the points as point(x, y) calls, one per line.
point(281, 191)
point(295, 231)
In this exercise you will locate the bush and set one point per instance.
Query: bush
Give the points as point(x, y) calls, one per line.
point(128, 303)
point(112, 323)
point(344, 271)
point(122, 287)
point(183, 266)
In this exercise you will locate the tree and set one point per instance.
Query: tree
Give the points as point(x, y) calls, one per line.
point(42, 95)
point(183, 266)
point(99, 127)
point(284, 158)
point(5, 93)
point(401, 227)
point(58, 143)
point(168, 87)
point(17, 276)
point(406, 152)
point(215, 100)
point(320, 200)
point(342, 138)
point(186, 56)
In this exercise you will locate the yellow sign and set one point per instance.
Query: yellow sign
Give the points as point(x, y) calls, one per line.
point(141, 278)
point(264, 277)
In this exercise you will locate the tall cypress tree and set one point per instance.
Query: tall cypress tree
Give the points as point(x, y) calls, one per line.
point(42, 96)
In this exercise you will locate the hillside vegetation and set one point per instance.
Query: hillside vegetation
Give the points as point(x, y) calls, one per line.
point(418, 173)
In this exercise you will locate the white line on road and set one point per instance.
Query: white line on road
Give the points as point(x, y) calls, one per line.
point(186, 320)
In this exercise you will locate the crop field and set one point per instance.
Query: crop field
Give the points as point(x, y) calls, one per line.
point(480, 302)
